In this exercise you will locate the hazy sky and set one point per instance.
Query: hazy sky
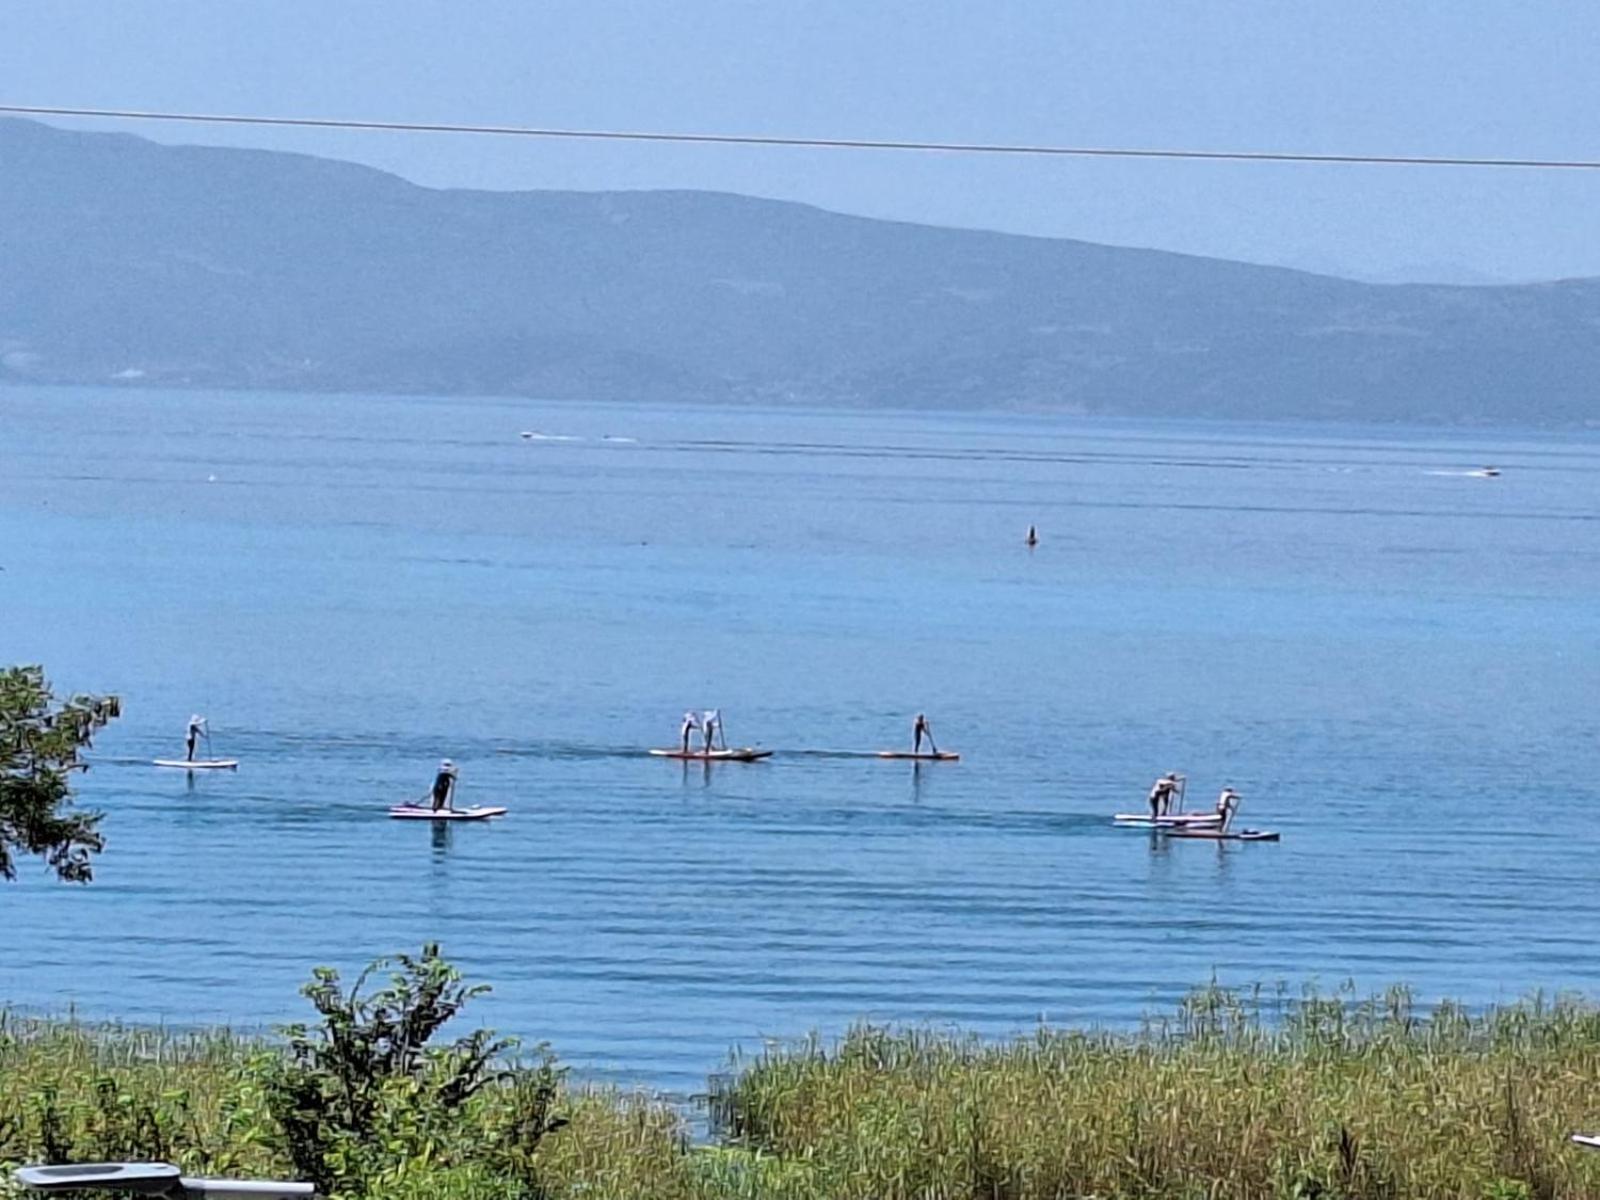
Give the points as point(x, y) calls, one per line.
point(1453, 77)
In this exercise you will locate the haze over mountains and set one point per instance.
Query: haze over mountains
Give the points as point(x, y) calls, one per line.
point(124, 261)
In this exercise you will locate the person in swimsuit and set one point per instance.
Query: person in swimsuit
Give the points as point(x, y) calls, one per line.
point(197, 728)
point(690, 723)
point(919, 730)
point(444, 786)
point(711, 727)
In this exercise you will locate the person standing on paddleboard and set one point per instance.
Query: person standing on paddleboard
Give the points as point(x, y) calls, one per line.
point(1161, 794)
point(711, 726)
point(921, 729)
point(444, 786)
point(691, 722)
point(1227, 805)
point(197, 729)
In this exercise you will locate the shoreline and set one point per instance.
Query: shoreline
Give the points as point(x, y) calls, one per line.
point(1074, 419)
point(1242, 1094)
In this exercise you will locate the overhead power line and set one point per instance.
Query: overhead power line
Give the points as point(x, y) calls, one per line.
point(821, 143)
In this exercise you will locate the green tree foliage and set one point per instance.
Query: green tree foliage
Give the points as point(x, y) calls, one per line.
point(41, 743)
point(365, 1094)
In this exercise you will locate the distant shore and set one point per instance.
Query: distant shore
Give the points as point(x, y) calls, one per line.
point(779, 403)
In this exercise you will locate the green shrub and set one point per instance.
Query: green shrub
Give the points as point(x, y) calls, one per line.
point(366, 1097)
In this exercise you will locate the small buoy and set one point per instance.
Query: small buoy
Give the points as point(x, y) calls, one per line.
point(211, 478)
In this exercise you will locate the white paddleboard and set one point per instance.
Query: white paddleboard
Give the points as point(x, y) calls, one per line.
point(422, 812)
point(1170, 821)
point(743, 754)
point(199, 764)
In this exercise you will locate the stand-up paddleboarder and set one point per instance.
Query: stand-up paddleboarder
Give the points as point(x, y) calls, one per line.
point(444, 786)
point(197, 730)
point(1161, 794)
point(711, 727)
point(1227, 805)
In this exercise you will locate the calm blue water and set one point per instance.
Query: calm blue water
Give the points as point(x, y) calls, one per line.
point(1398, 668)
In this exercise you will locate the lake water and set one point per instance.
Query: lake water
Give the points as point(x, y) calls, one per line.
point(1397, 665)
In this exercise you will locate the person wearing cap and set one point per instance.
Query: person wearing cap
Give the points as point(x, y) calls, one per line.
point(197, 727)
point(1161, 794)
point(921, 729)
point(444, 786)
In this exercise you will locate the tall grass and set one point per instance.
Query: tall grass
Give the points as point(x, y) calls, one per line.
point(1322, 1097)
point(70, 1091)
point(76, 1092)
point(1359, 1101)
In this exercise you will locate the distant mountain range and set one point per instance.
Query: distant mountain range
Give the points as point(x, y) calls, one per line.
point(125, 261)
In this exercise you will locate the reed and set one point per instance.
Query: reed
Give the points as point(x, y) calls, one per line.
point(1234, 1096)
point(71, 1091)
point(1327, 1098)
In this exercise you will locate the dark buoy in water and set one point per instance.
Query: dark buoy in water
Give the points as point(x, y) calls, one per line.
point(1033, 537)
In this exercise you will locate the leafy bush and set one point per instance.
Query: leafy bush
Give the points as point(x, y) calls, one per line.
point(40, 746)
point(365, 1095)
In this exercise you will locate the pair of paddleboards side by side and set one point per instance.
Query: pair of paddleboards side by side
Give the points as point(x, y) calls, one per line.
point(422, 812)
point(1218, 835)
point(745, 754)
point(199, 764)
point(936, 756)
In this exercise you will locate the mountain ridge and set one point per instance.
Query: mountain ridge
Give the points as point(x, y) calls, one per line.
point(126, 261)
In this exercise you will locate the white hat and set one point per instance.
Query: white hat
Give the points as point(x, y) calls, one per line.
point(446, 765)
